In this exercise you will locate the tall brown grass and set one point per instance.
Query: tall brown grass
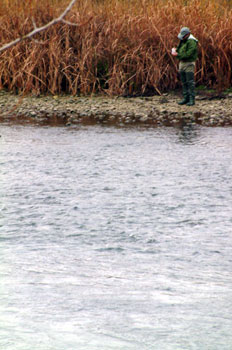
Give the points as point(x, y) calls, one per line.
point(123, 49)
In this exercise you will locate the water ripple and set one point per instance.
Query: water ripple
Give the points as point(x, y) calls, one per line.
point(115, 238)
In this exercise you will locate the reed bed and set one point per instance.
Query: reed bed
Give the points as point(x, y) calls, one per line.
point(115, 47)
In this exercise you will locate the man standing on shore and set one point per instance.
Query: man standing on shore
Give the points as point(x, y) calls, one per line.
point(187, 53)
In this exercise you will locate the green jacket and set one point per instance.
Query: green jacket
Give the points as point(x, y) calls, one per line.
point(188, 49)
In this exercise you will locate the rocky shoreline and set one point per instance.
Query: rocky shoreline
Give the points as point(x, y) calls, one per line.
point(210, 110)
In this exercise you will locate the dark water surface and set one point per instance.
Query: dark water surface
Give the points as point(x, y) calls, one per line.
point(115, 239)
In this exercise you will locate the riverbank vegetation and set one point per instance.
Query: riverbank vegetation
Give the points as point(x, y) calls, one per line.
point(122, 48)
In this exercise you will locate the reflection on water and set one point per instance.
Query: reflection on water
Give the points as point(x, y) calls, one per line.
point(115, 238)
point(189, 133)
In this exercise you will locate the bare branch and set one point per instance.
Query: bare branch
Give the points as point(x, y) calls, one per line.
point(69, 23)
point(39, 29)
point(34, 24)
point(40, 42)
point(76, 24)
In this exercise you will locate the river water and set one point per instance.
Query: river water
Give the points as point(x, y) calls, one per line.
point(115, 238)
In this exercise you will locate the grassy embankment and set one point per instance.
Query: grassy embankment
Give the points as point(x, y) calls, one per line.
point(123, 49)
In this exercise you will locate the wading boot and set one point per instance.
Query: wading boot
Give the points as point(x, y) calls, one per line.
point(191, 88)
point(185, 91)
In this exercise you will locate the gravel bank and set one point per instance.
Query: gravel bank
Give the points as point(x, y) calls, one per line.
point(155, 111)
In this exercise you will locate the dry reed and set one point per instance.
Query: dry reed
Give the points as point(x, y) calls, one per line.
point(124, 49)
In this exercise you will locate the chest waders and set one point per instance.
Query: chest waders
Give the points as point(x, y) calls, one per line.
point(188, 88)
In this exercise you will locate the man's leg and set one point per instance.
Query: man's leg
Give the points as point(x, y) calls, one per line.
point(185, 91)
point(191, 88)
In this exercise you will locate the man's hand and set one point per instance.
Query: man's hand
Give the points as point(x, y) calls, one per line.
point(174, 53)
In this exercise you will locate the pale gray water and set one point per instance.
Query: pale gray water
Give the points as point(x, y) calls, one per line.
point(115, 239)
